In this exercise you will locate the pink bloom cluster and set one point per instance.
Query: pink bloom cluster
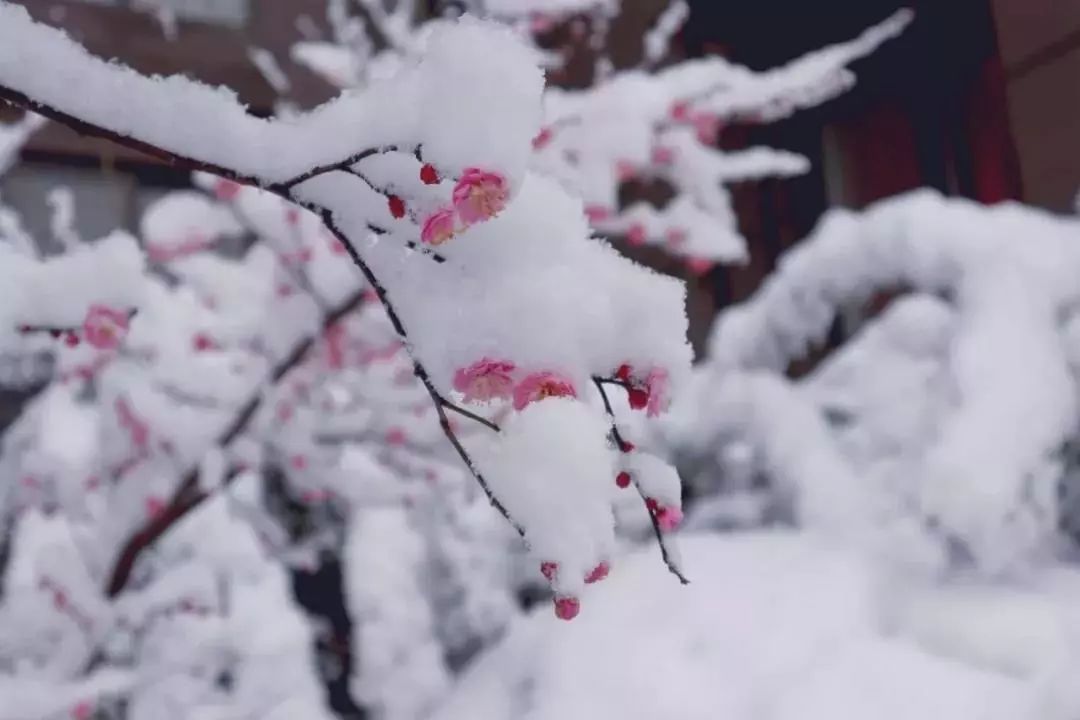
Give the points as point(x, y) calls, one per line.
point(479, 195)
point(487, 380)
point(567, 607)
point(667, 518)
point(650, 393)
point(105, 327)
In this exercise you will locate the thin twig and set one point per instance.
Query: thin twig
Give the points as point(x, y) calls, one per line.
point(669, 561)
point(469, 414)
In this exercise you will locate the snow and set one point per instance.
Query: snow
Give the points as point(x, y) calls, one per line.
point(455, 68)
point(552, 468)
point(775, 625)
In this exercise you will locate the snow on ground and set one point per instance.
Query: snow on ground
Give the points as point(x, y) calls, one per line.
point(781, 626)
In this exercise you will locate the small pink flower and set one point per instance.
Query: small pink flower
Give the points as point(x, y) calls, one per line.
point(669, 518)
point(623, 479)
point(82, 710)
point(480, 195)
point(543, 139)
point(203, 342)
point(699, 266)
point(154, 507)
point(707, 127)
point(658, 388)
point(396, 436)
point(675, 237)
point(226, 190)
point(540, 23)
point(680, 111)
point(597, 213)
point(636, 235)
point(549, 570)
point(104, 327)
point(662, 155)
point(567, 608)
point(439, 227)
point(541, 385)
point(625, 170)
point(485, 380)
point(598, 573)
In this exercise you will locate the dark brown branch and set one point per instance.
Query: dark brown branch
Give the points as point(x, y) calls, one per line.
point(346, 164)
point(188, 496)
point(89, 130)
point(419, 370)
point(469, 414)
point(669, 561)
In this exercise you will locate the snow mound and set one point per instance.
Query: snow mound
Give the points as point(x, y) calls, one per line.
point(774, 626)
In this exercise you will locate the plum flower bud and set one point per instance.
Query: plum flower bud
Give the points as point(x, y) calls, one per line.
point(202, 342)
point(680, 111)
point(675, 237)
point(549, 570)
point(669, 518)
point(658, 392)
point(598, 573)
point(636, 235)
point(485, 380)
point(396, 206)
point(82, 710)
point(226, 190)
point(104, 327)
point(154, 506)
point(597, 213)
point(663, 155)
point(541, 385)
point(480, 195)
point(623, 479)
point(567, 608)
point(439, 227)
point(429, 175)
point(542, 139)
point(699, 266)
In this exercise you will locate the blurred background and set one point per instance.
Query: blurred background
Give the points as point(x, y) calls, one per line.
point(978, 100)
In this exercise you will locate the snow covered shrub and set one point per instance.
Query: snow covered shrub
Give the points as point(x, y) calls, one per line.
point(938, 431)
point(184, 373)
point(647, 122)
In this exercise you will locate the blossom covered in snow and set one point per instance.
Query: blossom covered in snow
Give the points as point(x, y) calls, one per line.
point(485, 380)
point(104, 327)
point(480, 195)
point(440, 226)
point(540, 385)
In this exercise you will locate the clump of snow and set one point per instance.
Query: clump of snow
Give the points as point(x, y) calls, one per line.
point(774, 625)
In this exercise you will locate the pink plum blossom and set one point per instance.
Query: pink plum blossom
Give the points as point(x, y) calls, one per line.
point(567, 608)
point(597, 213)
point(699, 266)
point(485, 380)
point(669, 518)
point(439, 227)
point(675, 237)
point(541, 385)
point(663, 155)
point(104, 327)
point(480, 195)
